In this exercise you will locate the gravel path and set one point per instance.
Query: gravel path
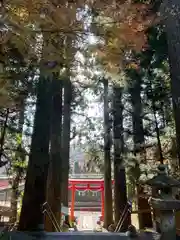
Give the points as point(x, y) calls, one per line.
point(87, 221)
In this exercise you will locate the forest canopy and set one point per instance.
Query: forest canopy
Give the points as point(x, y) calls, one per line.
point(89, 81)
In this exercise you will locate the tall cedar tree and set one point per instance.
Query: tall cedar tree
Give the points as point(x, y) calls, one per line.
point(55, 165)
point(66, 140)
point(145, 219)
point(120, 191)
point(170, 12)
point(31, 218)
point(3, 135)
point(19, 170)
point(107, 161)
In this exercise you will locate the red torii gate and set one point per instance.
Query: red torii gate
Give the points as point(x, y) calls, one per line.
point(87, 185)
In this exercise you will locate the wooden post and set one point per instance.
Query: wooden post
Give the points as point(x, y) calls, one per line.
point(73, 189)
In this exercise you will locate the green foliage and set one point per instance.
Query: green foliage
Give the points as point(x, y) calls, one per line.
point(94, 158)
point(46, 37)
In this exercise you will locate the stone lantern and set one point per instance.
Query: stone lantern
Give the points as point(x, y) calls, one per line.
point(165, 202)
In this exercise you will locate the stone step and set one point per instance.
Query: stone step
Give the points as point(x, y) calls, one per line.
point(79, 236)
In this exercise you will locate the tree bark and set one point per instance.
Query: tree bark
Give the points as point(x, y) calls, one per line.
point(170, 13)
point(55, 166)
point(153, 105)
point(137, 121)
point(107, 161)
point(31, 218)
point(20, 157)
point(120, 191)
point(14, 198)
point(145, 219)
point(3, 134)
point(66, 140)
